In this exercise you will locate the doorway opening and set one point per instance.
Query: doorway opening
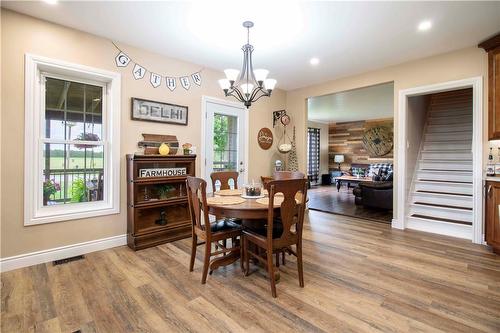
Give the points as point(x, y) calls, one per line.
point(439, 167)
point(225, 139)
point(350, 152)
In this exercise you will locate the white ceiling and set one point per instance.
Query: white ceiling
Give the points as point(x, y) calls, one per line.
point(375, 102)
point(347, 37)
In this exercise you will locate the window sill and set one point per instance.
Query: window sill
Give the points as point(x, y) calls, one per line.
point(71, 216)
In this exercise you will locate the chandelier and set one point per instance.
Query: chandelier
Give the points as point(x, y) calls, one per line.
point(249, 85)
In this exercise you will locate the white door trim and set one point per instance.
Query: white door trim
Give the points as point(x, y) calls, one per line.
point(476, 83)
point(204, 100)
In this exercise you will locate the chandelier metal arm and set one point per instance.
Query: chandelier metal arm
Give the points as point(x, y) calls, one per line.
point(238, 93)
point(255, 92)
point(263, 95)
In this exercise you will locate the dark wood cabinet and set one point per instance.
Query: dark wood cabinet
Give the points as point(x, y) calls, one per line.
point(492, 224)
point(157, 208)
point(492, 46)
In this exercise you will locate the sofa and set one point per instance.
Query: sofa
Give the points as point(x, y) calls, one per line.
point(379, 192)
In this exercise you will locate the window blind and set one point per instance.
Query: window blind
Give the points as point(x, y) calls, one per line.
point(313, 146)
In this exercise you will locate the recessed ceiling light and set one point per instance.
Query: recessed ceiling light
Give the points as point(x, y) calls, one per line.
point(314, 61)
point(50, 2)
point(424, 25)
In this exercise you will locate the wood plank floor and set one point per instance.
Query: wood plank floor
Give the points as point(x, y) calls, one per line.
point(359, 277)
point(327, 199)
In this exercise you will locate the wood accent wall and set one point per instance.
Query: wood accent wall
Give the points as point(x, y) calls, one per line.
point(347, 139)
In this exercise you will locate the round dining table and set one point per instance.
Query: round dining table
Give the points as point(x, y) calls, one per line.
point(248, 210)
point(252, 214)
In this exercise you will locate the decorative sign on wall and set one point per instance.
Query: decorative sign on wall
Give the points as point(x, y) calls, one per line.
point(156, 80)
point(159, 112)
point(277, 116)
point(378, 140)
point(265, 138)
point(162, 172)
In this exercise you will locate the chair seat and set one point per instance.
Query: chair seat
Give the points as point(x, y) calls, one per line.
point(224, 225)
point(262, 229)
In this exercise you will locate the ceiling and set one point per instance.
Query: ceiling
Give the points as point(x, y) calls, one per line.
point(347, 37)
point(375, 102)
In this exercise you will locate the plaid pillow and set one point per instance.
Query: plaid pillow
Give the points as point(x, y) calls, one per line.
point(383, 169)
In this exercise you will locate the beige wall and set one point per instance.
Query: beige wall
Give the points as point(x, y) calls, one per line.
point(416, 118)
point(22, 34)
point(465, 63)
point(323, 145)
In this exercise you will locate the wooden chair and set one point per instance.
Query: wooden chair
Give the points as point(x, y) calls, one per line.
point(265, 180)
point(223, 177)
point(208, 232)
point(279, 234)
point(282, 175)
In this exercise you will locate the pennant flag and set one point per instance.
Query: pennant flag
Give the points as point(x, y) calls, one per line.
point(122, 60)
point(185, 82)
point(139, 72)
point(196, 78)
point(155, 80)
point(170, 81)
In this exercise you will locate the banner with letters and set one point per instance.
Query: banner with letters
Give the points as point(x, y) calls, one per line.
point(155, 79)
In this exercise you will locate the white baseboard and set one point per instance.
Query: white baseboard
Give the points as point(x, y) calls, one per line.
point(39, 257)
point(396, 224)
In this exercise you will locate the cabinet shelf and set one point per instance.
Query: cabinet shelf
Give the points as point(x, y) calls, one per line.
point(160, 202)
point(156, 221)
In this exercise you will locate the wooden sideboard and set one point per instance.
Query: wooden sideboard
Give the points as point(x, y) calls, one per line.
point(492, 220)
point(157, 207)
point(492, 46)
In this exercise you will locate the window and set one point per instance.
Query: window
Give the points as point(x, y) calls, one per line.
point(72, 141)
point(313, 136)
point(225, 142)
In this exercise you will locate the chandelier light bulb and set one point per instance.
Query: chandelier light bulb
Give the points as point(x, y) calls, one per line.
point(231, 74)
point(270, 84)
point(247, 88)
point(224, 84)
point(260, 74)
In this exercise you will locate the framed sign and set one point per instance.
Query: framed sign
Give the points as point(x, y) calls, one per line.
point(265, 138)
point(159, 112)
point(162, 172)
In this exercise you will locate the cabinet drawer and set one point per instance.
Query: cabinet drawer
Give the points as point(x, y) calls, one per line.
point(157, 218)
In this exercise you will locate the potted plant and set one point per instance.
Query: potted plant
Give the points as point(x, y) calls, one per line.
point(165, 191)
point(50, 187)
point(187, 148)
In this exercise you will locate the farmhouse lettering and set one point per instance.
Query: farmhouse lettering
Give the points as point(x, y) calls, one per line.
point(162, 172)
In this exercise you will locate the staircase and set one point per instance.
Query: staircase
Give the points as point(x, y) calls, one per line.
point(441, 199)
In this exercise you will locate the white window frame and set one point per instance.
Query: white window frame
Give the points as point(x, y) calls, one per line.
point(36, 68)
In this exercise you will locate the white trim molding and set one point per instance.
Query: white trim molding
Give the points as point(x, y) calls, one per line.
point(36, 69)
point(40, 257)
point(475, 233)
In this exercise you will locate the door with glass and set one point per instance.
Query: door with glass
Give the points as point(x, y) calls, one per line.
point(225, 135)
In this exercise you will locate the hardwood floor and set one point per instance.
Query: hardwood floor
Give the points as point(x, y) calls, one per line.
point(327, 199)
point(359, 277)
